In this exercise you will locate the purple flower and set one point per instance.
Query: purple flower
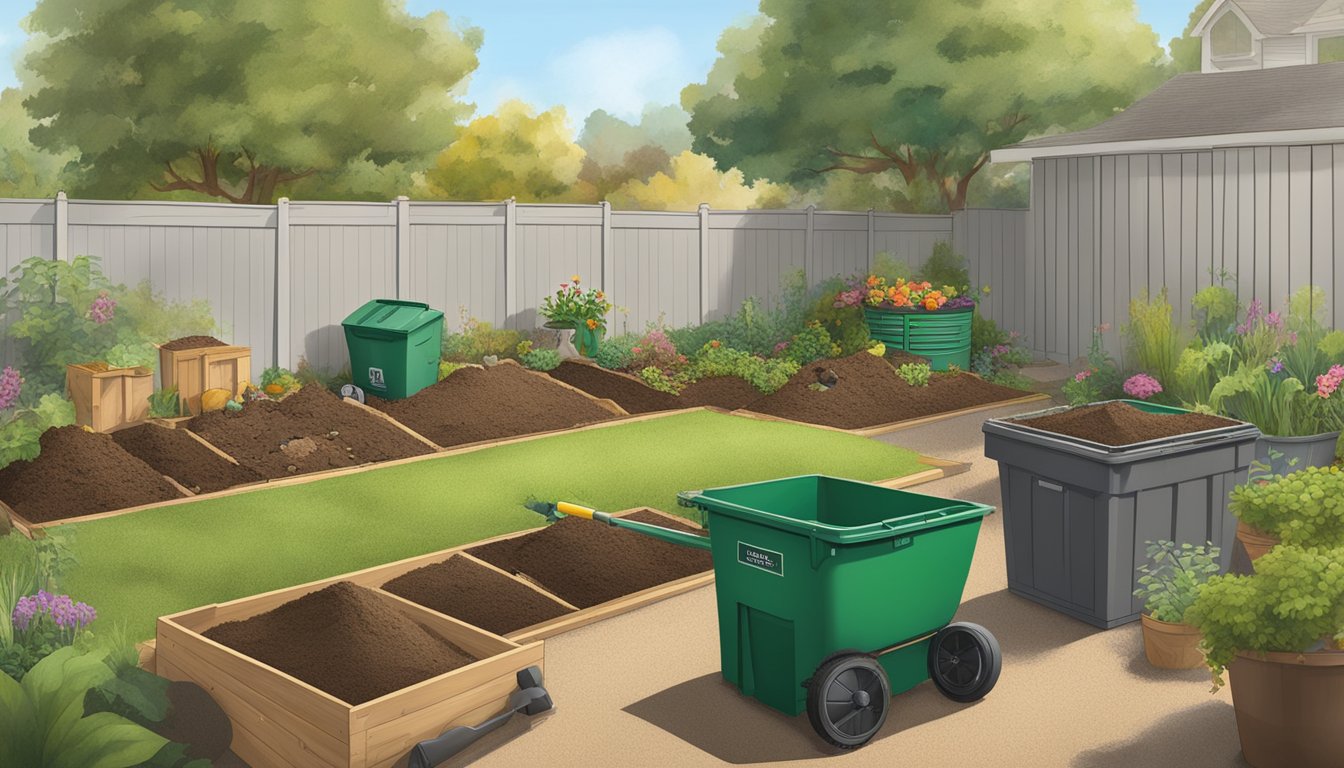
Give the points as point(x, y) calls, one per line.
point(63, 611)
point(10, 386)
point(960, 302)
point(1274, 320)
point(1142, 386)
point(1275, 365)
point(103, 309)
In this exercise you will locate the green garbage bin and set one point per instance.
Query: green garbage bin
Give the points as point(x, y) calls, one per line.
point(394, 347)
point(808, 567)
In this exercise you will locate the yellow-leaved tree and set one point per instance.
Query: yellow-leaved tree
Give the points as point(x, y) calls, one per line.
point(695, 179)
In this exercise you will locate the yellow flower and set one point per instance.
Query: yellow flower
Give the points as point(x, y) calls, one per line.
point(592, 324)
point(574, 278)
point(600, 295)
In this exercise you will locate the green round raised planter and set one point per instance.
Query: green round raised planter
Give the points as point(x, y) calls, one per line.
point(586, 340)
point(944, 336)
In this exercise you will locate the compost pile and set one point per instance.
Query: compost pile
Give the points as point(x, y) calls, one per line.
point(192, 342)
point(485, 598)
point(1121, 423)
point(868, 392)
point(588, 563)
point(344, 640)
point(477, 404)
point(80, 473)
point(174, 453)
point(309, 431)
point(729, 392)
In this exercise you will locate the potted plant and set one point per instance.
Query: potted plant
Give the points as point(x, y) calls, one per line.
point(915, 316)
point(1278, 632)
point(583, 311)
point(1168, 586)
point(1304, 507)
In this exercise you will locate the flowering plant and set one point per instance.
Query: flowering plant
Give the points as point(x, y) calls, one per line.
point(23, 428)
point(1100, 380)
point(875, 291)
point(42, 623)
point(1142, 386)
point(572, 307)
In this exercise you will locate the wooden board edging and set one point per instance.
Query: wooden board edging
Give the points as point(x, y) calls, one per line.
point(387, 418)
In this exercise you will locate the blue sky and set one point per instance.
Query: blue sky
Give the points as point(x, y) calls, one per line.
point(549, 52)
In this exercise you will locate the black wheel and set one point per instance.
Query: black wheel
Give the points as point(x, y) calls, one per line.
point(847, 699)
point(964, 661)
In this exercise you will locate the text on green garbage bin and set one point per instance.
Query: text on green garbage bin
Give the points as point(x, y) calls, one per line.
point(759, 557)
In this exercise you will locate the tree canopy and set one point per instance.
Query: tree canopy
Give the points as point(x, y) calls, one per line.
point(923, 90)
point(235, 99)
point(25, 171)
point(693, 179)
point(1187, 53)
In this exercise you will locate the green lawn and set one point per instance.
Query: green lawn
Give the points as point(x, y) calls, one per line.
point(139, 566)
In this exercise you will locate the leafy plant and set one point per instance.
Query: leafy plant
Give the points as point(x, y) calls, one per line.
point(1199, 370)
point(661, 380)
point(540, 359)
point(1294, 602)
point(1100, 380)
point(1215, 310)
point(999, 363)
point(915, 374)
point(43, 622)
point(21, 432)
point(447, 369)
point(810, 344)
point(846, 325)
point(1304, 507)
point(478, 340)
point(717, 359)
point(751, 329)
point(42, 720)
point(1155, 343)
point(946, 267)
point(615, 353)
point(656, 350)
point(875, 291)
point(1170, 579)
point(571, 306)
point(278, 383)
point(164, 404)
point(1266, 397)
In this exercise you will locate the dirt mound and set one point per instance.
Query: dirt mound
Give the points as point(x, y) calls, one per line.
point(174, 453)
point(344, 640)
point(587, 563)
point(80, 473)
point(728, 392)
point(1122, 424)
point(325, 434)
point(192, 342)
point(476, 404)
point(466, 590)
point(869, 392)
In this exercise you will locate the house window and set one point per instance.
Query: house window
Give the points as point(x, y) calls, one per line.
point(1329, 49)
point(1230, 37)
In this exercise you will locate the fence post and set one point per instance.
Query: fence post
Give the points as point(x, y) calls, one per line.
point(608, 262)
point(510, 261)
point(703, 212)
point(809, 269)
point(282, 287)
point(60, 232)
point(872, 239)
point(403, 204)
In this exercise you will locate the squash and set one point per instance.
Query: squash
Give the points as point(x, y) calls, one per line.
point(275, 389)
point(214, 399)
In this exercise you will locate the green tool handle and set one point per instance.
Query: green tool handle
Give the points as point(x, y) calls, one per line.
point(669, 535)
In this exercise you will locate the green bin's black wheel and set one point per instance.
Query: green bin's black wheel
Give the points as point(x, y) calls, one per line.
point(964, 661)
point(847, 699)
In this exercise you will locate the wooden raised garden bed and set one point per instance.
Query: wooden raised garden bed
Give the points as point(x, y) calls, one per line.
point(106, 398)
point(280, 720)
point(196, 363)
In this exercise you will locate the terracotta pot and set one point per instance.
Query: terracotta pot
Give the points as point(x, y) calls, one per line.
point(1289, 708)
point(1170, 645)
point(1256, 541)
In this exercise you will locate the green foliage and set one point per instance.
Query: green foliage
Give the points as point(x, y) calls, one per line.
point(1187, 50)
point(1304, 507)
point(751, 329)
point(986, 333)
point(478, 340)
point(1293, 602)
point(1170, 579)
point(279, 382)
point(132, 355)
point(608, 139)
point(25, 170)
point(540, 359)
point(1215, 309)
point(1198, 371)
point(717, 359)
point(42, 720)
point(614, 353)
point(309, 376)
point(810, 344)
point(915, 374)
point(1154, 342)
point(165, 404)
point(1100, 380)
point(946, 267)
point(846, 325)
point(1306, 357)
point(661, 380)
point(1269, 401)
point(20, 434)
point(158, 320)
point(447, 369)
point(188, 96)
point(572, 307)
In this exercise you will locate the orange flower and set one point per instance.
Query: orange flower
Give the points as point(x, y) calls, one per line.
point(873, 281)
point(930, 304)
point(600, 295)
point(715, 344)
point(574, 278)
point(900, 300)
point(592, 324)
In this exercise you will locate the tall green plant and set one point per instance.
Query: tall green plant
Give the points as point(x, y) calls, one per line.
point(1154, 341)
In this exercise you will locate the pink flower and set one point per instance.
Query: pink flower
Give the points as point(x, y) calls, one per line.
point(636, 351)
point(1326, 383)
point(1274, 320)
point(1142, 386)
point(102, 309)
point(1081, 376)
point(781, 346)
point(10, 386)
point(1104, 328)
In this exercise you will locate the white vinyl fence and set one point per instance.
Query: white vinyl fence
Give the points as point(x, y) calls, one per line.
point(280, 278)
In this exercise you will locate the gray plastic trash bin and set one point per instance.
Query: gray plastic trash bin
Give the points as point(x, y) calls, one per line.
point(1076, 513)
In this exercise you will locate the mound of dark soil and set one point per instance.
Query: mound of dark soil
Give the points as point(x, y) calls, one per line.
point(80, 473)
point(587, 563)
point(467, 590)
point(344, 640)
point(476, 404)
point(1122, 423)
point(728, 392)
point(173, 453)
point(309, 431)
point(192, 342)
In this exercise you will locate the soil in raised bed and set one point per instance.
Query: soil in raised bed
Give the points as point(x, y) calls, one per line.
point(344, 640)
point(728, 392)
point(174, 453)
point(1121, 423)
point(80, 473)
point(192, 342)
point(476, 404)
point(475, 594)
point(309, 431)
point(587, 563)
point(868, 392)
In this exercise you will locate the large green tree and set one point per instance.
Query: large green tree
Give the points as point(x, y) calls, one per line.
point(25, 170)
point(1187, 54)
point(236, 99)
point(920, 89)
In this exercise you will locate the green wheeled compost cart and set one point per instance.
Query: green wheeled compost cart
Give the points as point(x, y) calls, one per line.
point(394, 347)
point(834, 594)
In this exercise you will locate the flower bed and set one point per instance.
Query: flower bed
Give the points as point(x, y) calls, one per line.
point(728, 392)
point(175, 453)
point(477, 404)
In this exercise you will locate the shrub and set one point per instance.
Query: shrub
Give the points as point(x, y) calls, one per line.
point(986, 333)
point(1155, 343)
point(1292, 603)
point(615, 353)
point(308, 375)
point(846, 325)
point(164, 404)
point(1199, 369)
point(1305, 507)
point(717, 359)
point(915, 374)
point(1215, 310)
point(946, 267)
point(810, 344)
point(1170, 579)
point(999, 362)
point(447, 368)
point(656, 350)
point(540, 359)
point(22, 430)
point(479, 340)
point(1100, 380)
point(660, 380)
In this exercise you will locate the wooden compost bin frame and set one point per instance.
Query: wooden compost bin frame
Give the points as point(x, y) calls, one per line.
point(195, 370)
point(105, 400)
point(279, 720)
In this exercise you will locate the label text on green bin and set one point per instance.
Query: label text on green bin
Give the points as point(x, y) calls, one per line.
point(759, 557)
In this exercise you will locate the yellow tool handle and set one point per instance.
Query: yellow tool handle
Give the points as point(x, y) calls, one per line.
point(565, 508)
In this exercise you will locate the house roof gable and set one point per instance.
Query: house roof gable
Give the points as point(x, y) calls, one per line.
point(1266, 17)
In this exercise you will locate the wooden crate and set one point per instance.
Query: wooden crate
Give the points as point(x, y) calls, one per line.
point(193, 371)
point(281, 721)
point(107, 398)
